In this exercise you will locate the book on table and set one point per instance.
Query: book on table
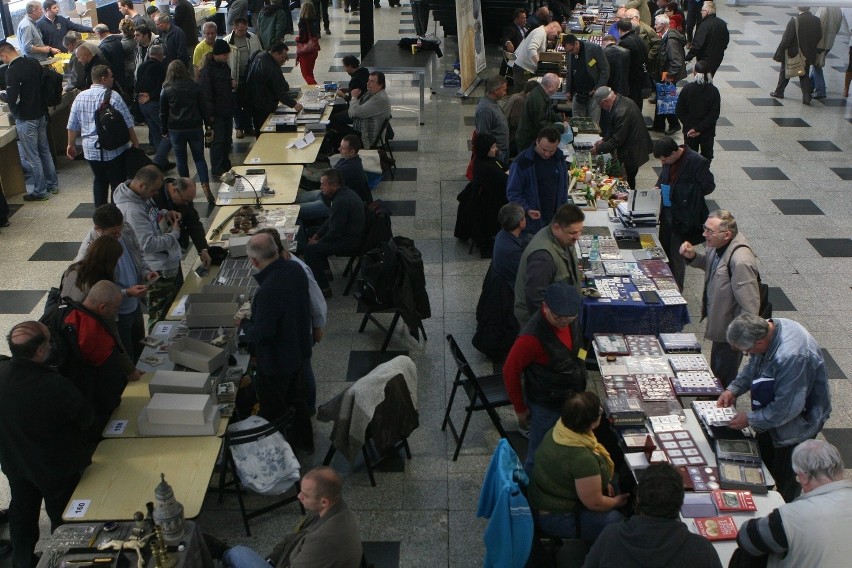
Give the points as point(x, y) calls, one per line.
point(717, 528)
point(733, 500)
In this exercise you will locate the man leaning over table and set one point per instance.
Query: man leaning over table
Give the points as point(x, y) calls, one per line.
point(730, 287)
point(528, 52)
point(786, 378)
point(42, 449)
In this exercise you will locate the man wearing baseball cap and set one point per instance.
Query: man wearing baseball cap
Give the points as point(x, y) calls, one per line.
point(547, 355)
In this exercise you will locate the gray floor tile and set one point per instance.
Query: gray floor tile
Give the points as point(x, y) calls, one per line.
point(405, 145)
point(341, 54)
point(737, 145)
point(819, 146)
point(797, 207)
point(843, 173)
point(352, 32)
point(790, 122)
point(711, 204)
point(832, 248)
point(765, 23)
point(401, 208)
point(336, 69)
point(728, 69)
point(14, 208)
point(842, 439)
point(468, 121)
point(833, 102)
point(404, 31)
point(763, 54)
point(723, 122)
point(19, 301)
point(55, 251)
point(350, 41)
point(765, 173)
point(746, 42)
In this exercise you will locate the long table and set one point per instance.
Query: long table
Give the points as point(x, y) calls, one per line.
point(271, 149)
point(283, 179)
point(124, 473)
point(387, 57)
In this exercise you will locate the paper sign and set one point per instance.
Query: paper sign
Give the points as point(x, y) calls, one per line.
point(581, 354)
point(180, 309)
point(300, 143)
point(255, 160)
point(77, 508)
point(309, 137)
point(224, 200)
point(162, 329)
point(115, 428)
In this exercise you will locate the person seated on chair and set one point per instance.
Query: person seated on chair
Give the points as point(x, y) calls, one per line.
point(358, 80)
point(340, 234)
point(654, 536)
point(314, 206)
point(545, 354)
point(369, 110)
point(326, 536)
point(573, 475)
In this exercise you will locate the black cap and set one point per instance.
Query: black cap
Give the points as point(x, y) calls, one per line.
point(563, 299)
point(220, 46)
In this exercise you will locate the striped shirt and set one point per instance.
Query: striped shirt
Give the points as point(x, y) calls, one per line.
point(82, 120)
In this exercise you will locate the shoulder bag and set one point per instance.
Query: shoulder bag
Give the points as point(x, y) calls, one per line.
point(794, 66)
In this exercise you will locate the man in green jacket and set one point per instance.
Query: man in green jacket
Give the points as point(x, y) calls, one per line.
point(538, 113)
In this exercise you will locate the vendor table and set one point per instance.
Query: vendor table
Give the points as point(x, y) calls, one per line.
point(271, 148)
point(81, 536)
point(124, 473)
point(284, 180)
point(133, 400)
point(387, 57)
point(11, 175)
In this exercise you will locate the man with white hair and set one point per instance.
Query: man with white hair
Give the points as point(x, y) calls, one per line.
point(711, 39)
point(527, 53)
point(813, 530)
point(489, 117)
point(538, 113)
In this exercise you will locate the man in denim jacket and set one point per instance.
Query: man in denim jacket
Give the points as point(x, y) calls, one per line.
point(788, 383)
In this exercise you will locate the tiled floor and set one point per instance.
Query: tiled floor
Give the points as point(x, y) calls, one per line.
point(423, 512)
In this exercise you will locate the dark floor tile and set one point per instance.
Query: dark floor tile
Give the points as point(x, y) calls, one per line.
point(83, 211)
point(768, 102)
point(402, 207)
point(362, 362)
point(728, 68)
point(404, 31)
point(56, 251)
point(469, 121)
point(406, 13)
point(287, 69)
point(470, 101)
point(19, 301)
point(408, 21)
point(349, 41)
point(832, 248)
point(14, 208)
point(797, 207)
point(744, 84)
point(841, 438)
point(649, 122)
point(735, 32)
point(657, 169)
point(724, 122)
point(241, 147)
point(352, 32)
point(336, 69)
point(381, 554)
point(833, 102)
point(746, 42)
point(841, 68)
point(780, 301)
point(404, 174)
point(763, 54)
point(831, 56)
point(791, 122)
point(341, 54)
point(392, 463)
point(765, 173)
point(843, 173)
point(354, 21)
point(832, 369)
point(737, 145)
point(404, 145)
point(410, 120)
point(765, 23)
point(712, 205)
point(749, 13)
point(819, 146)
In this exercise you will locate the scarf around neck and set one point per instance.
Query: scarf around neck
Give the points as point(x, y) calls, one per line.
point(564, 436)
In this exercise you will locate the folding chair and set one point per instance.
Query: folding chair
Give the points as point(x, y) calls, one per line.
point(382, 143)
point(240, 437)
point(484, 393)
point(369, 317)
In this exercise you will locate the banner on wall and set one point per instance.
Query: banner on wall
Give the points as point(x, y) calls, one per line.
point(471, 41)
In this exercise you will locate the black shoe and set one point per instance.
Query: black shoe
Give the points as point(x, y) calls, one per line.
point(819, 97)
point(3, 514)
point(30, 197)
point(806, 102)
point(327, 31)
point(672, 131)
point(5, 547)
point(168, 166)
point(775, 95)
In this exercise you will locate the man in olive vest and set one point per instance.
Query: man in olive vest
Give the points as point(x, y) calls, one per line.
point(546, 354)
point(548, 258)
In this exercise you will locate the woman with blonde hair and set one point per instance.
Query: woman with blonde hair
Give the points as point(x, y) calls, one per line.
point(307, 42)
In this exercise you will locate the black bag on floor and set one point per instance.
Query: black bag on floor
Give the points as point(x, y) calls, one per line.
point(378, 275)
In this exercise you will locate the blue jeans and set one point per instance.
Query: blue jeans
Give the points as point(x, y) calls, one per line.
point(817, 81)
point(564, 525)
point(243, 557)
point(32, 135)
point(541, 420)
point(151, 112)
point(195, 139)
point(312, 206)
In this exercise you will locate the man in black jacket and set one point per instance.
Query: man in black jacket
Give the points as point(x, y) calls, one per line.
point(174, 41)
point(711, 39)
point(77, 76)
point(698, 108)
point(803, 32)
point(23, 94)
point(54, 26)
point(619, 65)
point(358, 77)
point(149, 83)
point(89, 59)
point(685, 180)
point(184, 18)
point(178, 194)
point(42, 450)
point(113, 53)
point(266, 86)
point(215, 80)
point(278, 332)
point(628, 136)
point(632, 42)
point(513, 35)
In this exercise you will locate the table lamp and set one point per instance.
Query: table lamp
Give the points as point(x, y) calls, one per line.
point(230, 177)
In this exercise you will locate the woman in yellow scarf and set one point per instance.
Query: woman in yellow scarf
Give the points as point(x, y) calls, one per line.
point(572, 474)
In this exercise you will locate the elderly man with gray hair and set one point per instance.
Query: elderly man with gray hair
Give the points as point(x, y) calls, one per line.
point(730, 287)
point(489, 117)
point(787, 380)
point(814, 529)
point(509, 244)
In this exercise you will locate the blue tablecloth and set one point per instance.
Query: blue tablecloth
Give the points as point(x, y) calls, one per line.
point(634, 318)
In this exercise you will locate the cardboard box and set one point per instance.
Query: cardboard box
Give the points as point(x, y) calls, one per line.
point(211, 315)
point(237, 246)
point(7, 120)
point(217, 297)
point(180, 382)
point(207, 428)
point(237, 291)
point(174, 408)
point(551, 57)
point(197, 354)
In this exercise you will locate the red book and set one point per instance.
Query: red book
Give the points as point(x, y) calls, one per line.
point(733, 500)
point(717, 528)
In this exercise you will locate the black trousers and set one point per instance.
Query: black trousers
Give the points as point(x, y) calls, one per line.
point(280, 394)
point(108, 175)
point(804, 83)
point(704, 142)
point(25, 508)
point(779, 462)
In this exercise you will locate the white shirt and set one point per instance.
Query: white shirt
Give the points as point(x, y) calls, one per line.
point(527, 53)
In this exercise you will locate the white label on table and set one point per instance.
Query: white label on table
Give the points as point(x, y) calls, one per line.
point(162, 329)
point(255, 160)
point(116, 428)
point(77, 508)
point(224, 200)
point(180, 309)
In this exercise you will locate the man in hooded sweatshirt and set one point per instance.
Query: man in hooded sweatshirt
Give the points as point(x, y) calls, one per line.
point(654, 537)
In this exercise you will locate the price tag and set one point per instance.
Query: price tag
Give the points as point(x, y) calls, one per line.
point(115, 428)
point(224, 200)
point(162, 329)
point(77, 508)
point(180, 309)
point(255, 160)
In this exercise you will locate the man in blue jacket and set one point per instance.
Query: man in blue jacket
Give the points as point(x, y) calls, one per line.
point(280, 316)
point(538, 180)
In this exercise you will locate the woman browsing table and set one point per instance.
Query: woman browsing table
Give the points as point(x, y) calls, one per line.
point(307, 43)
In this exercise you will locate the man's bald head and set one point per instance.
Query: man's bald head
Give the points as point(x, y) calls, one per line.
point(102, 293)
point(29, 340)
point(327, 483)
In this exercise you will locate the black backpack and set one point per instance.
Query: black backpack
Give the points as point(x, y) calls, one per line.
point(378, 275)
point(51, 86)
point(765, 310)
point(111, 127)
point(64, 349)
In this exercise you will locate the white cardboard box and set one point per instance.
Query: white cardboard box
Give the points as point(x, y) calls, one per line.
point(210, 315)
point(208, 428)
point(197, 354)
point(217, 297)
point(180, 382)
point(174, 408)
point(237, 246)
